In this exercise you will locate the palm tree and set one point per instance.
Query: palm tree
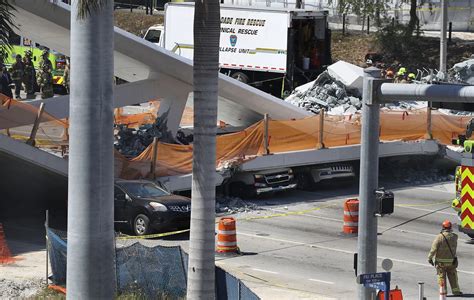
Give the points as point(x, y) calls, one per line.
point(6, 27)
point(90, 257)
point(201, 268)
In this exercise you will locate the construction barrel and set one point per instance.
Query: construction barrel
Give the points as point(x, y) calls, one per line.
point(351, 216)
point(227, 236)
point(395, 294)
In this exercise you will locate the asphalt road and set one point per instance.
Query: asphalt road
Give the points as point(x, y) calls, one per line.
point(295, 248)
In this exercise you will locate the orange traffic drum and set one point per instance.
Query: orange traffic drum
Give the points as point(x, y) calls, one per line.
point(351, 216)
point(227, 236)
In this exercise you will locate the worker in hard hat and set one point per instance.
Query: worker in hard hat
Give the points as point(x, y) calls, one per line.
point(29, 75)
point(443, 256)
point(45, 62)
point(401, 75)
point(389, 74)
point(411, 77)
point(17, 71)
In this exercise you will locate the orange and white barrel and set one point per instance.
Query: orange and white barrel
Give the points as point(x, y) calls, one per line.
point(443, 290)
point(351, 216)
point(227, 236)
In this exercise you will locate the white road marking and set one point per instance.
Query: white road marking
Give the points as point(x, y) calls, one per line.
point(264, 271)
point(342, 251)
point(380, 227)
point(321, 281)
point(435, 190)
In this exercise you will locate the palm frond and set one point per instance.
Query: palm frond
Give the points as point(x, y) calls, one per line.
point(86, 7)
point(6, 24)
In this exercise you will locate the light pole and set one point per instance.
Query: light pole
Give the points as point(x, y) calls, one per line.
point(369, 171)
point(443, 42)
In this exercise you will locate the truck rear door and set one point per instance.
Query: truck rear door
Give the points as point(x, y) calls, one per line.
point(308, 46)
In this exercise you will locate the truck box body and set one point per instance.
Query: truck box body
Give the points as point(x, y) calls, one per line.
point(258, 45)
point(250, 39)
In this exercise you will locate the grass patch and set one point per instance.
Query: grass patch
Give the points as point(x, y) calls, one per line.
point(134, 22)
point(47, 293)
point(415, 53)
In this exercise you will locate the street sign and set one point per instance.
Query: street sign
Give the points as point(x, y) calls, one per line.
point(380, 281)
point(376, 285)
point(374, 277)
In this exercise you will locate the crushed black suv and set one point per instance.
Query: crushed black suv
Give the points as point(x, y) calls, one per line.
point(144, 207)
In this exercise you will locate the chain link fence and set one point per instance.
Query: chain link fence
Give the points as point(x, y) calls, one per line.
point(152, 271)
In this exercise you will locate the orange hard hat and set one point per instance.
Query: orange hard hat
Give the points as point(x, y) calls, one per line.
point(447, 224)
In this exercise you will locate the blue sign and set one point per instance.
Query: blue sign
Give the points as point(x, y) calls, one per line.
point(379, 281)
point(374, 277)
point(376, 285)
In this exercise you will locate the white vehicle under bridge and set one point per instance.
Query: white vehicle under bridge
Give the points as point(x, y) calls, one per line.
point(256, 183)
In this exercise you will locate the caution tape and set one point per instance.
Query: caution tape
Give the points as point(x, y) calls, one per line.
point(290, 213)
point(151, 236)
point(279, 215)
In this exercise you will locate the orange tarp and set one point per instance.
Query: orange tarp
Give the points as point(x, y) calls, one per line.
point(294, 135)
point(284, 136)
point(177, 159)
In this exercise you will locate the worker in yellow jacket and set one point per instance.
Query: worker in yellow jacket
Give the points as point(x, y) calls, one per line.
point(443, 256)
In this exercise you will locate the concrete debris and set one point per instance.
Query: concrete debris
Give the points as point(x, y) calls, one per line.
point(131, 142)
point(351, 76)
point(328, 93)
point(184, 138)
point(339, 91)
point(463, 72)
point(24, 289)
point(233, 205)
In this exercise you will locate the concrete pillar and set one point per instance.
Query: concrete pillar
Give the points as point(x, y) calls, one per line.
point(173, 108)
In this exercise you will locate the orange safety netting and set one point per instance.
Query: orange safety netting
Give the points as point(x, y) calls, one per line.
point(177, 159)
point(15, 114)
point(235, 148)
point(294, 135)
point(148, 117)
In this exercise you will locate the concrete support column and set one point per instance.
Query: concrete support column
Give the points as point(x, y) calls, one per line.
point(172, 108)
point(172, 101)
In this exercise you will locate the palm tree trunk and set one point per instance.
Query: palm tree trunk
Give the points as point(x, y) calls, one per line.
point(201, 271)
point(413, 18)
point(90, 257)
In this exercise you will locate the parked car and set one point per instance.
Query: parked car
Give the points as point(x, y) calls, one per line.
point(144, 207)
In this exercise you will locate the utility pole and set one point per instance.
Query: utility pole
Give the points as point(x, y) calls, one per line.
point(443, 49)
point(369, 173)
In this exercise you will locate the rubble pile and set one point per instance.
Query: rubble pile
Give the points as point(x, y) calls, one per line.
point(463, 72)
point(232, 205)
point(328, 93)
point(131, 142)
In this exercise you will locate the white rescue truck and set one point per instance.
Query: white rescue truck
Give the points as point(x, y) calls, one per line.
point(272, 49)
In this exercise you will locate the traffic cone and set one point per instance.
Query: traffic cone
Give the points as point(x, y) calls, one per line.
point(5, 254)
